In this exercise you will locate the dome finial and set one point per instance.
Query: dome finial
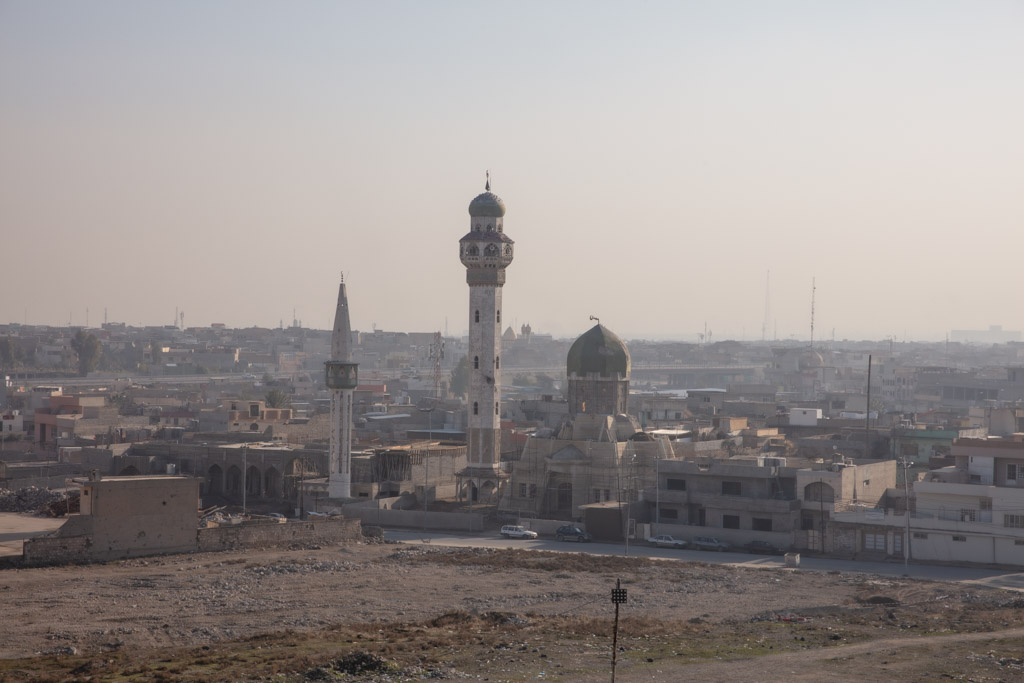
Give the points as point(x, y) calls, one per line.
point(487, 185)
point(342, 275)
point(594, 317)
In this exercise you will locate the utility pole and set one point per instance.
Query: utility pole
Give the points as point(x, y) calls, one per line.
point(906, 495)
point(867, 416)
point(245, 467)
point(618, 597)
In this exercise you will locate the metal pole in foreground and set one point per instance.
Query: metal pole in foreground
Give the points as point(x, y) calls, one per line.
point(618, 597)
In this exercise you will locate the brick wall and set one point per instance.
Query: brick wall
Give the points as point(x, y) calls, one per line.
point(57, 550)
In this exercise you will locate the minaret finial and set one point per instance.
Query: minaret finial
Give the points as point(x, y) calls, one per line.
point(594, 317)
point(342, 275)
point(487, 185)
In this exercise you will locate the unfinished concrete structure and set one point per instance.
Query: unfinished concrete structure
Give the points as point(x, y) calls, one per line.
point(485, 251)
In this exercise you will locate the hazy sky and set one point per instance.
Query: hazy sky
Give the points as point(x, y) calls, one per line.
point(656, 159)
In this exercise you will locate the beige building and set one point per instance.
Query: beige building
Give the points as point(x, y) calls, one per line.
point(129, 517)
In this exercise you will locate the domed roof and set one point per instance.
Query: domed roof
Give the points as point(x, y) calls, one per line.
point(811, 360)
point(600, 351)
point(487, 205)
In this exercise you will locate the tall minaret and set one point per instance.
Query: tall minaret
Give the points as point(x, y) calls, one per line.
point(485, 251)
point(342, 377)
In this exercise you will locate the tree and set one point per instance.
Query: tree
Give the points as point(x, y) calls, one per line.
point(89, 350)
point(275, 398)
point(10, 353)
point(460, 377)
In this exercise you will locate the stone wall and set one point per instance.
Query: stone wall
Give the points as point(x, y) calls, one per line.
point(262, 535)
point(54, 550)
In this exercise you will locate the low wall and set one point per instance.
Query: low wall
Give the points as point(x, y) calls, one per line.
point(51, 550)
point(736, 538)
point(451, 521)
point(57, 550)
point(266, 534)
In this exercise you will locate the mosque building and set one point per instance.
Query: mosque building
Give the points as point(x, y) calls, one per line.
point(599, 454)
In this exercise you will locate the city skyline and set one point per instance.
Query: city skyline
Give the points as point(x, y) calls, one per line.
point(228, 159)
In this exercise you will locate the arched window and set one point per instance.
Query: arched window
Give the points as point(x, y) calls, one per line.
point(476, 362)
point(496, 408)
point(497, 362)
point(498, 314)
point(476, 408)
point(476, 318)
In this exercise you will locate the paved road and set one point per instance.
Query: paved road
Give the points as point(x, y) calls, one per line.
point(995, 578)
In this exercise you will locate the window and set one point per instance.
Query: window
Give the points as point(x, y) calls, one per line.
point(874, 542)
point(476, 318)
point(497, 362)
point(762, 524)
point(496, 408)
point(968, 515)
point(730, 488)
point(565, 495)
point(897, 544)
point(522, 490)
point(985, 503)
point(675, 484)
point(867, 482)
point(730, 521)
point(960, 539)
point(1018, 542)
point(497, 316)
point(1011, 471)
point(595, 496)
point(1013, 521)
point(476, 362)
point(533, 490)
point(918, 535)
point(607, 495)
point(668, 513)
point(974, 478)
point(476, 408)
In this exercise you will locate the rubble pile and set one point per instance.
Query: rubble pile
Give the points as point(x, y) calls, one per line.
point(35, 499)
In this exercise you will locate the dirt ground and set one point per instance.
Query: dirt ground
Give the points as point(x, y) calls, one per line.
point(408, 612)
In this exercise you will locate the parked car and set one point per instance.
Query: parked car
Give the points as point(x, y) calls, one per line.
point(666, 541)
point(763, 548)
point(572, 533)
point(709, 543)
point(517, 531)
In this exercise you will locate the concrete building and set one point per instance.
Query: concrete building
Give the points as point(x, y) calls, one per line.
point(486, 251)
point(784, 502)
point(133, 516)
point(342, 376)
point(972, 512)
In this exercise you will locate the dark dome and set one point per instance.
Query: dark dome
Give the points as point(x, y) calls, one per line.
point(598, 351)
point(487, 205)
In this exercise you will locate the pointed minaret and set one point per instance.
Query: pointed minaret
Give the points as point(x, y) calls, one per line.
point(342, 377)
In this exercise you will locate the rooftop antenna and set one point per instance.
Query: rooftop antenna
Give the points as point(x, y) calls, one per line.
point(814, 289)
point(104, 315)
point(764, 322)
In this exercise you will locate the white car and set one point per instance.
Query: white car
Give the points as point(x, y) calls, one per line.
point(517, 531)
point(666, 541)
